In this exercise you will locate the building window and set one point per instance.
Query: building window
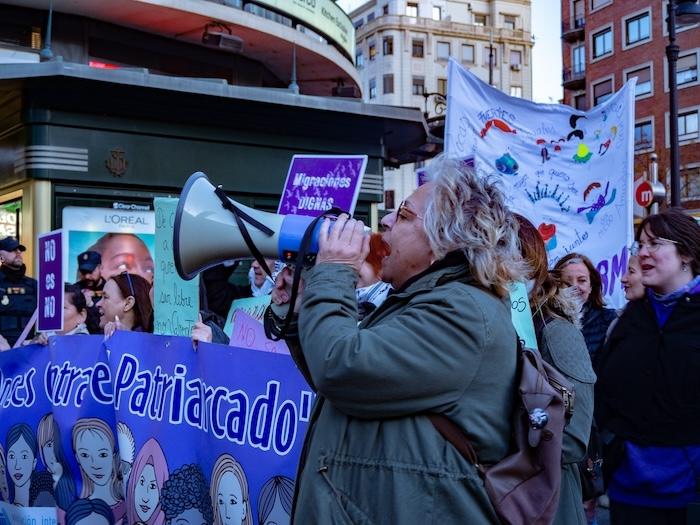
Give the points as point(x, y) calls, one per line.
point(688, 126)
point(643, 80)
point(443, 50)
point(479, 19)
point(643, 136)
point(388, 84)
point(372, 51)
point(412, 9)
point(385, 9)
point(595, 4)
point(690, 183)
point(580, 102)
point(602, 91)
point(418, 85)
point(442, 86)
point(370, 17)
point(687, 69)
point(602, 43)
point(579, 59)
point(516, 57)
point(372, 88)
point(437, 13)
point(389, 202)
point(359, 60)
point(359, 23)
point(486, 56)
point(637, 29)
point(468, 53)
point(417, 49)
point(388, 45)
point(579, 13)
point(516, 91)
point(509, 22)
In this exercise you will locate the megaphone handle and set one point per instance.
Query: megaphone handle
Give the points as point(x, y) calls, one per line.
point(240, 216)
point(304, 246)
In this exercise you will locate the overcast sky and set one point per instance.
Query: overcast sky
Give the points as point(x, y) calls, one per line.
point(546, 55)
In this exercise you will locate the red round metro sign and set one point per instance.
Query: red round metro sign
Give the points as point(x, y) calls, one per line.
point(644, 195)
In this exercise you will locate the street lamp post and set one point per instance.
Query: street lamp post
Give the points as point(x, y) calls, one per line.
point(685, 12)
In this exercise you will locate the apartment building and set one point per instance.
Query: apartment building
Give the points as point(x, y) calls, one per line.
point(607, 42)
point(402, 50)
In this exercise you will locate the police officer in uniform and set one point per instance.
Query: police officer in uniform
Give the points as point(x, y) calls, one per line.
point(91, 284)
point(17, 291)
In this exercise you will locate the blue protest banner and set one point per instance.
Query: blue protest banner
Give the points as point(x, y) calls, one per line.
point(146, 429)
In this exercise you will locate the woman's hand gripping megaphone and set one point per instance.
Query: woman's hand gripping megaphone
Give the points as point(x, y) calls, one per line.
point(340, 241)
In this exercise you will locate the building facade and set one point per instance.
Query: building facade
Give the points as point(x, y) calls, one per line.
point(126, 110)
point(607, 42)
point(402, 51)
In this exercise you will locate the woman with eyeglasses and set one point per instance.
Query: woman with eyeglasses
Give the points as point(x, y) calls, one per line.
point(125, 304)
point(648, 392)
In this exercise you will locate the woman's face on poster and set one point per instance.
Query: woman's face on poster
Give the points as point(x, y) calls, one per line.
point(188, 517)
point(52, 465)
point(277, 516)
point(230, 504)
point(146, 493)
point(95, 456)
point(20, 462)
point(126, 253)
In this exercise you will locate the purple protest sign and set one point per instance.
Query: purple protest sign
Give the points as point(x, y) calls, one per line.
point(317, 183)
point(50, 303)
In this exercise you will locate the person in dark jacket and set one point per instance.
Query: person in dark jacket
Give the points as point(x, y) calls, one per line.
point(17, 291)
point(442, 342)
point(648, 393)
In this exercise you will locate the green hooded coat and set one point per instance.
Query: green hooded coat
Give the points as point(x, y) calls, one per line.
point(438, 345)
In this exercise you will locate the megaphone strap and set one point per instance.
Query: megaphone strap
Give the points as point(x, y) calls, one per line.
point(241, 216)
point(304, 246)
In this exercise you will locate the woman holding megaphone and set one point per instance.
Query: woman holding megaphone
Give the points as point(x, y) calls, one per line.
point(441, 342)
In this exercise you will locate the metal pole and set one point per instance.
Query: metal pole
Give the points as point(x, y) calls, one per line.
point(46, 53)
point(654, 178)
point(672, 57)
point(491, 57)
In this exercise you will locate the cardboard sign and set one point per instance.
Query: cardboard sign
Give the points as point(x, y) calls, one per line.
point(317, 183)
point(50, 282)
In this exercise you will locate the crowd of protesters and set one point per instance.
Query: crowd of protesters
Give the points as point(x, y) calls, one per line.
point(389, 327)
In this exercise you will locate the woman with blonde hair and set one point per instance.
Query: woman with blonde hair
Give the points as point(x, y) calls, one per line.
point(442, 343)
point(229, 493)
point(96, 453)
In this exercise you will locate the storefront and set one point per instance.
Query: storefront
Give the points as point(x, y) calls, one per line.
point(72, 135)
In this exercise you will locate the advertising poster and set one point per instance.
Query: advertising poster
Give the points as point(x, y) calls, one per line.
point(144, 429)
point(125, 238)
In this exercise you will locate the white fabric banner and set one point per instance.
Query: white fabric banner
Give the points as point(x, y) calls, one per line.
point(568, 171)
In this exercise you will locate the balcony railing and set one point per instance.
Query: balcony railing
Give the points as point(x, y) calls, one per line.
point(573, 78)
point(444, 25)
point(573, 29)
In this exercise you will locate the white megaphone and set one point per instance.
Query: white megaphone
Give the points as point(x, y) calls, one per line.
point(210, 229)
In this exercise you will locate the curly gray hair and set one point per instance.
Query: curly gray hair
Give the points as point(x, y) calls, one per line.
point(469, 213)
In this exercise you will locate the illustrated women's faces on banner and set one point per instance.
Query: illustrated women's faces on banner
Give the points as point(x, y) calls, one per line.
point(124, 239)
